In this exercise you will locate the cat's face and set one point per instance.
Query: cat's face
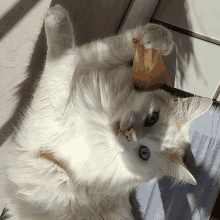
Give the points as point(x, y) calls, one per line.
point(153, 131)
point(134, 136)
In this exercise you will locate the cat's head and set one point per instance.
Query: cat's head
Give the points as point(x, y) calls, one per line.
point(129, 137)
point(153, 131)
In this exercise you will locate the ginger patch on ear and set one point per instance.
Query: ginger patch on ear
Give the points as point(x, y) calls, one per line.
point(180, 122)
point(174, 158)
point(160, 98)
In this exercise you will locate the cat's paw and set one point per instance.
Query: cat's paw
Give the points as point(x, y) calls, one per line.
point(57, 17)
point(58, 27)
point(58, 22)
point(158, 37)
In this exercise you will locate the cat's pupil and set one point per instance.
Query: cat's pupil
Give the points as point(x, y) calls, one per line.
point(151, 119)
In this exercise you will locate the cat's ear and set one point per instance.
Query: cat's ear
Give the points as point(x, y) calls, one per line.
point(193, 107)
point(179, 172)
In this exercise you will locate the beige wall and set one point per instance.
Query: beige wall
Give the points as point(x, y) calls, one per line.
point(16, 45)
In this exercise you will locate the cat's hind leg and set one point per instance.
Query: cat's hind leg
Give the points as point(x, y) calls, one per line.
point(59, 31)
point(54, 87)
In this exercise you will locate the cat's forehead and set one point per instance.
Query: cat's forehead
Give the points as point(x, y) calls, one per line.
point(150, 101)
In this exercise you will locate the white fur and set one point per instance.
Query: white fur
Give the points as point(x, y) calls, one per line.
point(81, 96)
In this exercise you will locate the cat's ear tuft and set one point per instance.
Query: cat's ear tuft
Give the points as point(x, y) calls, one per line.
point(179, 172)
point(193, 107)
point(184, 176)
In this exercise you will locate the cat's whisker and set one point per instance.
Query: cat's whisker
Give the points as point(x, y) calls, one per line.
point(111, 162)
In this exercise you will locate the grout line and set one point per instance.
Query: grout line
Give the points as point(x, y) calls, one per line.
point(138, 13)
point(217, 93)
point(126, 12)
point(186, 32)
point(192, 34)
point(155, 11)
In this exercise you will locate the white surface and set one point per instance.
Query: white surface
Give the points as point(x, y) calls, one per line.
point(204, 79)
point(199, 16)
point(15, 50)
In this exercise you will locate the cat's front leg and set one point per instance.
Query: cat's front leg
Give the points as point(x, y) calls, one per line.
point(118, 49)
point(109, 51)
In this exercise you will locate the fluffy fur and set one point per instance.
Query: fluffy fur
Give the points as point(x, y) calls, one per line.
point(66, 160)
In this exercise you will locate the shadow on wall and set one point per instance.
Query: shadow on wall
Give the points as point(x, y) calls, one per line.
point(17, 12)
point(25, 90)
point(185, 53)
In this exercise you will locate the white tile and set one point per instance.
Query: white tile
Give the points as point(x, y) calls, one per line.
point(197, 65)
point(199, 16)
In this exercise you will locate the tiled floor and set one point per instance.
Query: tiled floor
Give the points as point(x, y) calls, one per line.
point(197, 65)
point(197, 60)
point(198, 16)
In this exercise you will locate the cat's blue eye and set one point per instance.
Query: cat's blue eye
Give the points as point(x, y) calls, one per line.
point(151, 119)
point(144, 152)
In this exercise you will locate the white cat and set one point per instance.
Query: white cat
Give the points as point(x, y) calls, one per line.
point(68, 160)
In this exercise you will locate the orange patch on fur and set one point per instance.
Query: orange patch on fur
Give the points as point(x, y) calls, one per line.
point(125, 132)
point(174, 158)
point(160, 98)
point(119, 131)
point(129, 133)
point(49, 156)
point(180, 123)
